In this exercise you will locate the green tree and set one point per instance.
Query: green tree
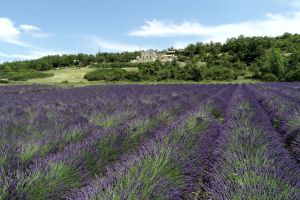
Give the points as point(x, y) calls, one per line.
point(294, 59)
point(269, 77)
point(277, 64)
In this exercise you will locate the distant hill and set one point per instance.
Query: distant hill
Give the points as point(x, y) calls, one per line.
point(266, 58)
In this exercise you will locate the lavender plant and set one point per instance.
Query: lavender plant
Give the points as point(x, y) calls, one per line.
point(252, 162)
point(150, 142)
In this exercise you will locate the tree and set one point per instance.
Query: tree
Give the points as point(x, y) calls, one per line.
point(190, 50)
point(269, 77)
point(276, 64)
point(294, 59)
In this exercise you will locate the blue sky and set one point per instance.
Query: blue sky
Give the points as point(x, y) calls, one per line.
point(33, 28)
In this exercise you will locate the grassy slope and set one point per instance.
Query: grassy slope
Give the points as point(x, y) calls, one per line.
point(74, 76)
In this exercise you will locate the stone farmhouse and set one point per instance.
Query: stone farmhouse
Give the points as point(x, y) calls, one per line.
point(153, 55)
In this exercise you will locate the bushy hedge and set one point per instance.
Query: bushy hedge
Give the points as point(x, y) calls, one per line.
point(219, 73)
point(3, 81)
point(117, 65)
point(157, 71)
point(269, 77)
point(293, 76)
point(24, 75)
point(114, 74)
point(79, 60)
point(132, 76)
point(189, 73)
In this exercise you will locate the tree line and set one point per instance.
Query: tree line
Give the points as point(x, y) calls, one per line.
point(265, 58)
point(58, 61)
point(158, 71)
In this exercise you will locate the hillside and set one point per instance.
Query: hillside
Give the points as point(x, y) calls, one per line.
point(264, 58)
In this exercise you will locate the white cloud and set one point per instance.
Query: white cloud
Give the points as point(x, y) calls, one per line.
point(272, 25)
point(9, 33)
point(31, 54)
point(12, 34)
point(32, 31)
point(29, 28)
point(108, 45)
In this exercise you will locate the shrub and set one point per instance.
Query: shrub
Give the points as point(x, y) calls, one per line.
point(163, 74)
point(293, 76)
point(17, 78)
point(65, 82)
point(220, 74)
point(4, 81)
point(276, 63)
point(106, 74)
point(182, 74)
point(241, 72)
point(189, 73)
point(269, 77)
point(132, 76)
point(117, 65)
point(25, 75)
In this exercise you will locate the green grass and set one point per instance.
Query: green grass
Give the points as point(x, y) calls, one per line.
point(4, 191)
point(131, 69)
point(50, 184)
point(34, 150)
point(246, 158)
point(29, 153)
point(22, 75)
point(2, 161)
point(97, 119)
point(114, 145)
point(116, 119)
point(295, 122)
point(143, 177)
point(146, 172)
point(73, 136)
point(72, 76)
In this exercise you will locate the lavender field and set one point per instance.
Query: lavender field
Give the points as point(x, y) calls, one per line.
point(218, 141)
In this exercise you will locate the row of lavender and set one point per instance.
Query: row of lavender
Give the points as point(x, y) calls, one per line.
point(57, 137)
point(282, 103)
point(237, 154)
point(171, 165)
point(251, 160)
point(147, 142)
point(24, 88)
